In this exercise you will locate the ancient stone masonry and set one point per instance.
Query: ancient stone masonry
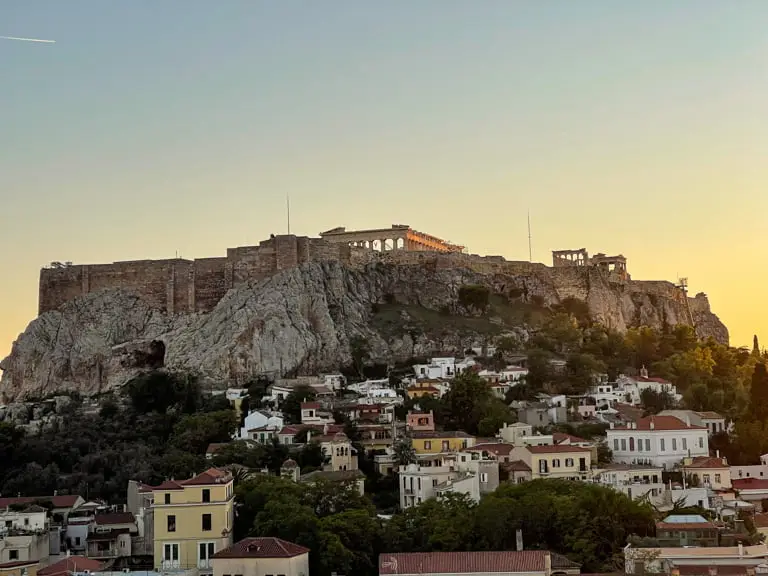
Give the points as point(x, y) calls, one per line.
point(179, 286)
point(614, 266)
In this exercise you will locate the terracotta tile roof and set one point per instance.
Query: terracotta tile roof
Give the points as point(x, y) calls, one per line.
point(210, 476)
point(660, 423)
point(515, 466)
point(706, 462)
point(71, 564)
point(64, 501)
point(262, 548)
point(557, 449)
point(628, 411)
point(310, 405)
point(652, 379)
point(116, 518)
point(427, 435)
point(462, 562)
point(497, 448)
point(430, 389)
point(167, 485)
point(17, 564)
point(560, 437)
point(216, 446)
point(750, 484)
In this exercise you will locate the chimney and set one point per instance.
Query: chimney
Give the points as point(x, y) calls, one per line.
point(750, 571)
point(325, 428)
point(674, 572)
point(741, 550)
point(547, 563)
point(652, 425)
point(519, 540)
point(713, 571)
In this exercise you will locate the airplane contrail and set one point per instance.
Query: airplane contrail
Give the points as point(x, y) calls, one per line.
point(28, 39)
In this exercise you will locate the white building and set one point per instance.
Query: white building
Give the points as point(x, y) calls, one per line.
point(444, 367)
point(513, 433)
point(705, 559)
point(712, 421)
point(633, 386)
point(636, 481)
point(32, 518)
point(657, 440)
point(311, 414)
point(752, 470)
point(258, 421)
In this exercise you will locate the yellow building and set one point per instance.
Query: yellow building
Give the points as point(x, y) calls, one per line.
point(555, 461)
point(424, 387)
point(434, 442)
point(709, 472)
point(193, 520)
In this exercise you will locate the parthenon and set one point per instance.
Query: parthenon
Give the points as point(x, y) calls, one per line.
point(398, 237)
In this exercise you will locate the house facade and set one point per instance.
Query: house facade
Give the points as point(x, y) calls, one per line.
point(436, 442)
point(569, 462)
point(262, 557)
point(709, 472)
point(657, 440)
point(193, 519)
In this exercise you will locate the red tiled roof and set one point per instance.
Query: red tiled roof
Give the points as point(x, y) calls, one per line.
point(750, 484)
point(71, 564)
point(64, 501)
point(515, 466)
point(262, 548)
point(310, 405)
point(167, 485)
point(116, 518)
point(706, 462)
point(430, 389)
point(652, 379)
point(560, 437)
point(215, 447)
point(709, 415)
point(661, 423)
point(17, 564)
point(462, 562)
point(557, 449)
point(428, 435)
point(210, 476)
point(497, 448)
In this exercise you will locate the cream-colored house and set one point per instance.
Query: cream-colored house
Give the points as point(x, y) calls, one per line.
point(262, 557)
point(709, 472)
point(193, 519)
point(558, 461)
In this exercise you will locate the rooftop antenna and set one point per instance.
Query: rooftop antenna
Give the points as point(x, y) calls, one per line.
point(288, 211)
point(530, 251)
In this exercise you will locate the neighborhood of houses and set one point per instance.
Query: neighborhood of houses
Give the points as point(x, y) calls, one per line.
point(185, 527)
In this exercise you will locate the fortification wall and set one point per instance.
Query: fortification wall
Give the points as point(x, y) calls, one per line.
point(183, 286)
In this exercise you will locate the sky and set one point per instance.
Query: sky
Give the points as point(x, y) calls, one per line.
point(155, 128)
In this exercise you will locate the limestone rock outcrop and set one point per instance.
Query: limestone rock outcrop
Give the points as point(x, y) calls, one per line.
point(302, 319)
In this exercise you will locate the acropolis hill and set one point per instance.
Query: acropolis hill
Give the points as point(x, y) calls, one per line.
point(292, 304)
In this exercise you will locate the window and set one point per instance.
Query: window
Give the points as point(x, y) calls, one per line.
point(647, 444)
point(446, 445)
point(623, 445)
point(167, 498)
point(661, 444)
point(206, 522)
point(77, 540)
point(205, 551)
point(13, 555)
point(569, 462)
point(418, 482)
point(9, 524)
point(427, 445)
point(483, 477)
point(674, 444)
point(717, 478)
point(639, 444)
point(171, 523)
point(434, 482)
point(631, 444)
point(701, 441)
point(26, 521)
point(171, 554)
point(685, 443)
point(206, 495)
point(615, 444)
point(556, 463)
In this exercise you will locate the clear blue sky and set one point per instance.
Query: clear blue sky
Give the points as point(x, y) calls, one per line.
point(155, 127)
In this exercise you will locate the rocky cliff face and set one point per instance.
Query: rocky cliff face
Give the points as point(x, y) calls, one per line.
point(302, 320)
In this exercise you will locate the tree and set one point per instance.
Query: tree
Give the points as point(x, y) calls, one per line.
point(759, 393)
point(474, 297)
point(404, 452)
point(291, 406)
point(470, 401)
point(755, 347)
point(194, 432)
point(581, 372)
point(654, 402)
point(360, 350)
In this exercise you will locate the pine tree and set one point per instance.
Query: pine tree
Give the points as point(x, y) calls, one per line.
point(759, 393)
point(755, 346)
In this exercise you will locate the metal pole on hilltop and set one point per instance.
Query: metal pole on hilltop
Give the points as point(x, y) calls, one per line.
point(530, 250)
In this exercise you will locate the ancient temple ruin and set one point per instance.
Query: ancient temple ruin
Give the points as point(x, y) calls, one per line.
point(398, 237)
point(616, 265)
